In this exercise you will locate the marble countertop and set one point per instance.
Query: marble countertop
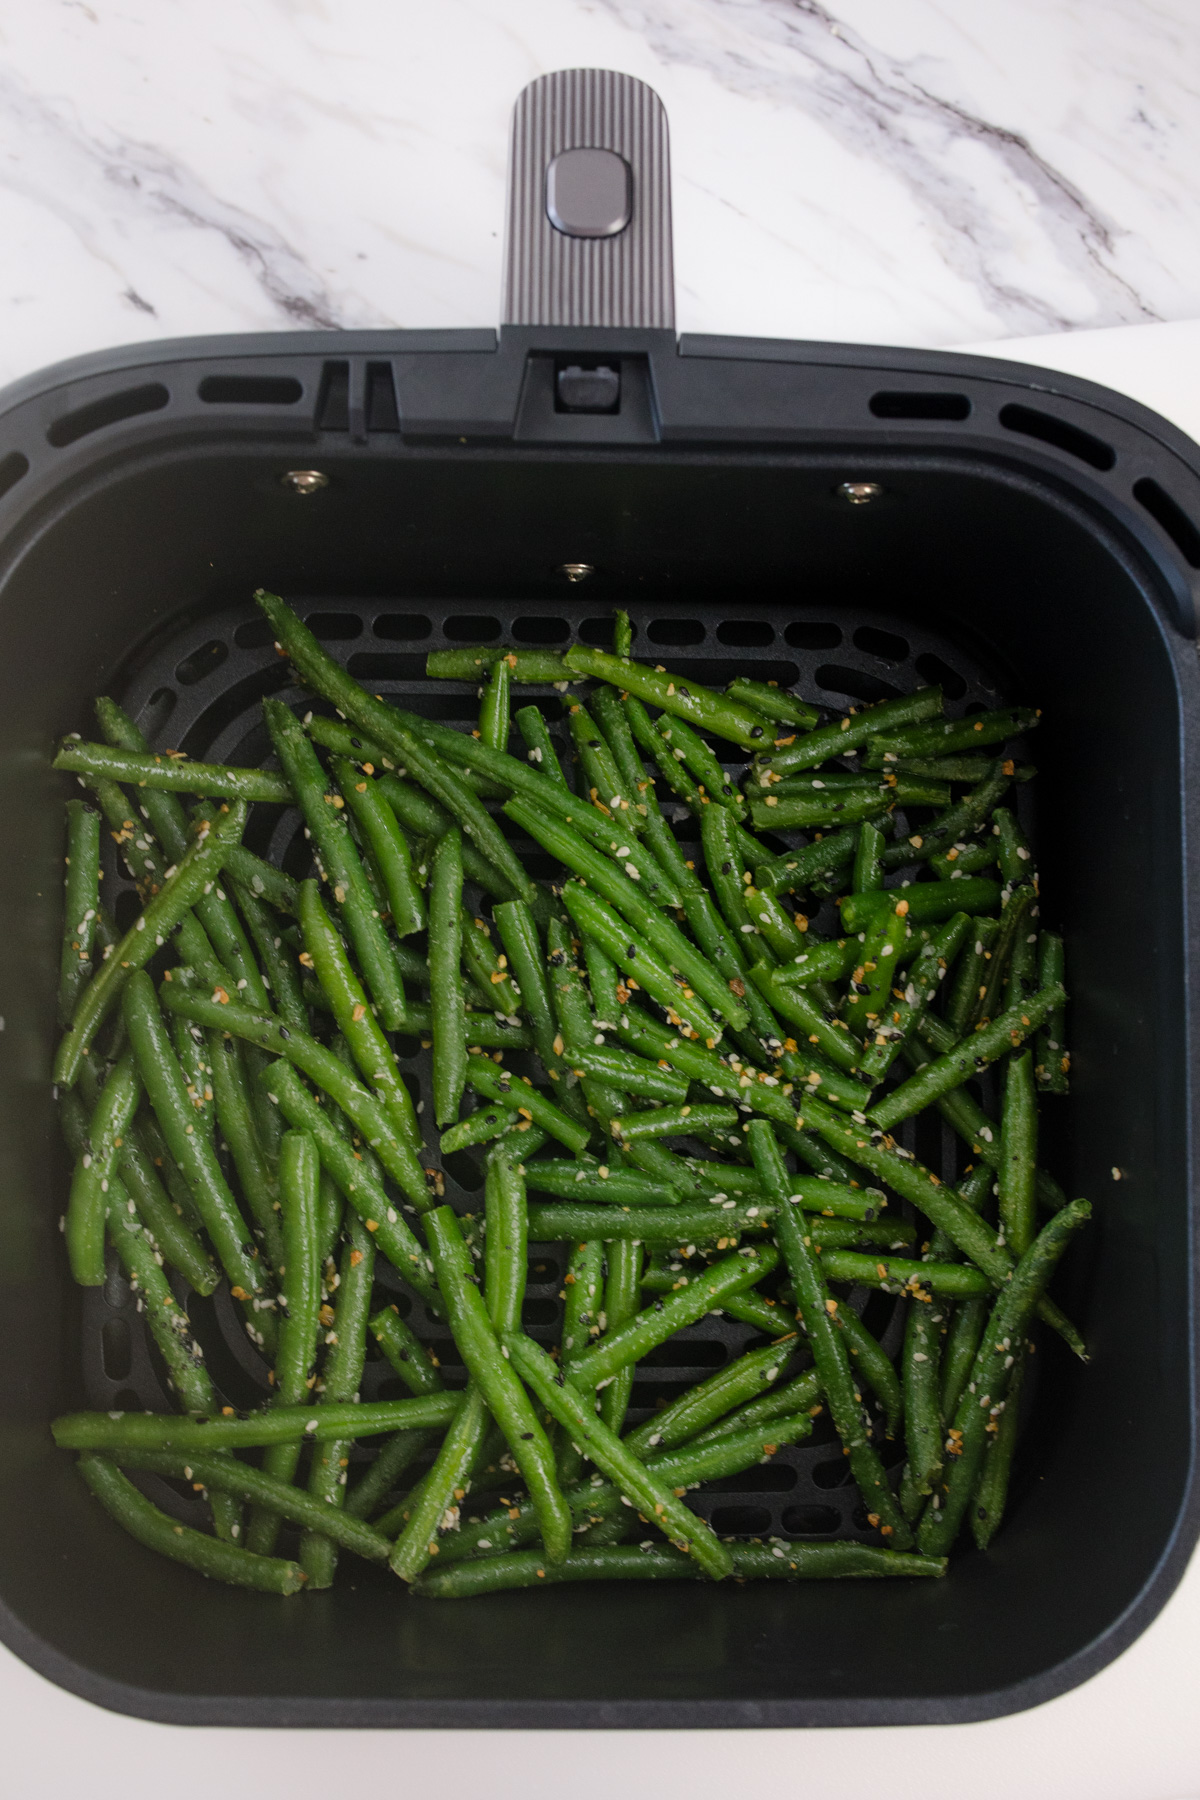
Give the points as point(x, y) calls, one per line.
point(896, 171)
point(1016, 175)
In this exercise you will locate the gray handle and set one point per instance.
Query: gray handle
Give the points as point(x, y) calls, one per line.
point(588, 236)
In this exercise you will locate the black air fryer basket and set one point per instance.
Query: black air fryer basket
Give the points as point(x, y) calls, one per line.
point(855, 520)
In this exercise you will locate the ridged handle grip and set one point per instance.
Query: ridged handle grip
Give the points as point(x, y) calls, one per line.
point(585, 245)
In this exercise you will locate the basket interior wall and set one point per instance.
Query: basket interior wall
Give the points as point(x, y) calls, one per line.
point(1001, 582)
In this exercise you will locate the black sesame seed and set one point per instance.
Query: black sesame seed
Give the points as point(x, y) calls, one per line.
point(756, 731)
point(284, 1032)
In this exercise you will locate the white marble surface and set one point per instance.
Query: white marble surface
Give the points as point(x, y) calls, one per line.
point(880, 170)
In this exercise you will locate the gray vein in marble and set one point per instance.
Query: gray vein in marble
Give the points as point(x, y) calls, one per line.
point(797, 53)
point(149, 182)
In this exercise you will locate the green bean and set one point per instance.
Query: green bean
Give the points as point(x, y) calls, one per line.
point(774, 702)
point(236, 1121)
point(278, 966)
point(648, 1493)
point(197, 869)
point(447, 1004)
point(930, 768)
point(778, 1561)
point(919, 985)
point(868, 863)
point(1053, 1061)
point(1014, 926)
point(927, 900)
point(791, 812)
point(833, 1199)
point(953, 735)
point(342, 1377)
point(920, 1368)
point(849, 733)
point(820, 1319)
point(710, 1223)
point(146, 1128)
point(958, 1352)
point(871, 984)
point(639, 957)
point(192, 1149)
point(689, 748)
point(897, 1274)
point(338, 860)
point(520, 1096)
point(492, 979)
point(499, 1386)
point(832, 1038)
point(539, 666)
point(620, 889)
point(411, 1359)
point(983, 1400)
point(969, 985)
point(1018, 1155)
point(115, 1432)
point(351, 1172)
point(262, 879)
point(447, 1482)
point(157, 1531)
point(524, 950)
point(480, 1127)
point(321, 1066)
point(964, 1062)
point(298, 1179)
point(783, 937)
point(172, 772)
point(357, 1022)
point(81, 904)
point(676, 1121)
point(601, 779)
point(96, 1170)
point(823, 859)
point(718, 713)
point(583, 1308)
point(622, 1299)
point(987, 1507)
point(387, 844)
point(494, 705)
point(171, 1234)
point(227, 1475)
point(402, 1449)
point(657, 1323)
point(746, 1378)
point(531, 723)
point(571, 1180)
point(507, 1227)
point(191, 1050)
point(631, 1074)
point(1014, 855)
point(956, 822)
point(962, 860)
point(798, 1397)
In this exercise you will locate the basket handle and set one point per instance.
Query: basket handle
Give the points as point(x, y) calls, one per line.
point(588, 233)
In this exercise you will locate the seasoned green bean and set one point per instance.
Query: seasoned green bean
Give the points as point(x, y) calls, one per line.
point(531, 723)
point(114, 1432)
point(387, 843)
point(849, 733)
point(718, 713)
point(172, 772)
point(81, 904)
point(1018, 1155)
point(972, 1055)
point(774, 702)
point(538, 666)
point(96, 1170)
point(494, 705)
point(236, 1120)
point(952, 735)
point(342, 1378)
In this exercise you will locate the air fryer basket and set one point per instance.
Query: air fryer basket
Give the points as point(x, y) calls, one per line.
point(1020, 536)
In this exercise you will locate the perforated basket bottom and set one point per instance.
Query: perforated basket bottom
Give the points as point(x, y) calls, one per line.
point(198, 689)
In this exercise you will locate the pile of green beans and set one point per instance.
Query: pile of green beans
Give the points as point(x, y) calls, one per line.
point(698, 1070)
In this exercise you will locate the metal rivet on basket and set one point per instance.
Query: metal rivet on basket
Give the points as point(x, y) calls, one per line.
point(305, 481)
point(576, 571)
point(859, 493)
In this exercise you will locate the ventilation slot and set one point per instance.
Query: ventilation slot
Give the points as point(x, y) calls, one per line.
point(856, 683)
point(393, 666)
point(811, 634)
point(597, 632)
point(402, 627)
point(158, 710)
point(674, 631)
point(332, 625)
point(541, 630)
point(250, 390)
point(333, 402)
point(116, 1349)
point(382, 412)
point(128, 404)
point(747, 633)
point(1171, 516)
point(740, 1521)
point(255, 634)
point(201, 662)
point(881, 643)
point(472, 628)
point(12, 467)
point(920, 406)
point(810, 1521)
point(1051, 430)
